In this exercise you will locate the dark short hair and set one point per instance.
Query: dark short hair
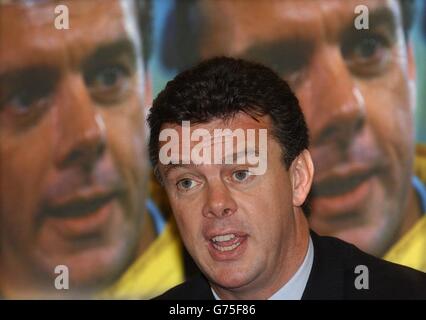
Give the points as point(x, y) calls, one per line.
point(184, 27)
point(222, 87)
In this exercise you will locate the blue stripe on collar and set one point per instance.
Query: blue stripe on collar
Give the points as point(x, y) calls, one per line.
point(421, 191)
point(156, 216)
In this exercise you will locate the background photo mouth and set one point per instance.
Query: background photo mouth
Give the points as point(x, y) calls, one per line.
point(80, 208)
point(333, 187)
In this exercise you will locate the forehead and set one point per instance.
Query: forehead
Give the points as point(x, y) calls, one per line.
point(239, 121)
point(250, 21)
point(28, 33)
point(220, 138)
point(216, 131)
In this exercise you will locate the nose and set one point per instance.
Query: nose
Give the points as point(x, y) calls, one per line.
point(81, 136)
point(338, 108)
point(219, 202)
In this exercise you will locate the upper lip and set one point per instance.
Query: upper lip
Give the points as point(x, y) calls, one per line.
point(79, 203)
point(211, 234)
point(342, 179)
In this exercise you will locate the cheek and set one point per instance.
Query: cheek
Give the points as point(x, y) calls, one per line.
point(26, 164)
point(188, 212)
point(389, 113)
point(269, 212)
point(188, 215)
point(390, 102)
point(125, 139)
point(189, 224)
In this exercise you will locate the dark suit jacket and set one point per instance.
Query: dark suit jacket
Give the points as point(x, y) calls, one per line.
point(333, 277)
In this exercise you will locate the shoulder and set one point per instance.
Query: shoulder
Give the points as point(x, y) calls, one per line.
point(367, 277)
point(197, 288)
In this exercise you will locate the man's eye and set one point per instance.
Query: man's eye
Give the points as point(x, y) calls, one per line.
point(28, 101)
point(186, 184)
point(109, 77)
point(367, 54)
point(241, 175)
point(368, 48)
point(23, 101)
point(109, 84)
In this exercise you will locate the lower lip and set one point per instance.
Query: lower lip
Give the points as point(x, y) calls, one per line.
point(233, 254)
point(349, 202)
point(83, 226)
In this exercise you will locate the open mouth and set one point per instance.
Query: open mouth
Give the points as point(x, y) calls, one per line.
point(335, 185)
point(343, 192)
point(84, 214)
point(228, 245)
point(79, 206)
point(226, 242)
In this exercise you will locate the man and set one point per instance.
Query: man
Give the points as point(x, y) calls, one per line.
point(355, 88)
point(73, 163)
point(246, 229)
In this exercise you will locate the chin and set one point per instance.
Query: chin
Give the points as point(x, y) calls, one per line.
point(231, 280)
point(92, 269)
point(368, 238)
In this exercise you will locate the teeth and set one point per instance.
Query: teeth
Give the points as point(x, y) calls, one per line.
point(229, 248)
point(225, 237)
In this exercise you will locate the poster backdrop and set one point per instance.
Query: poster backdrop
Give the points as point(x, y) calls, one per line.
point(360, 82)
point(81, 214)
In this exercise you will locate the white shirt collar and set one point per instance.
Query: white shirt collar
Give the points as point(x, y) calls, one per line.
point(294, 288)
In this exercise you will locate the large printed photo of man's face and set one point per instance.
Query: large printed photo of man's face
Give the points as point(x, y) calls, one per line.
point(72, 159)
point(356, 87)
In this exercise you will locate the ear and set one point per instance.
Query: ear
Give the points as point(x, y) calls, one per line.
point(301, 173)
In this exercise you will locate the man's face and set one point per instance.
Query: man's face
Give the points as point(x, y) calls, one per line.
point(241, 229)
point(72, 157)
point(353, 87)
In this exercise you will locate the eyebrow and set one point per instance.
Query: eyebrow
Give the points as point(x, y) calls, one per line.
point(26, 74)
point(173, 166)
point(383, 16)
point(111, 50)
point(103, 52)
point(40, 78)
point(282, 55)
point(287, 54)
